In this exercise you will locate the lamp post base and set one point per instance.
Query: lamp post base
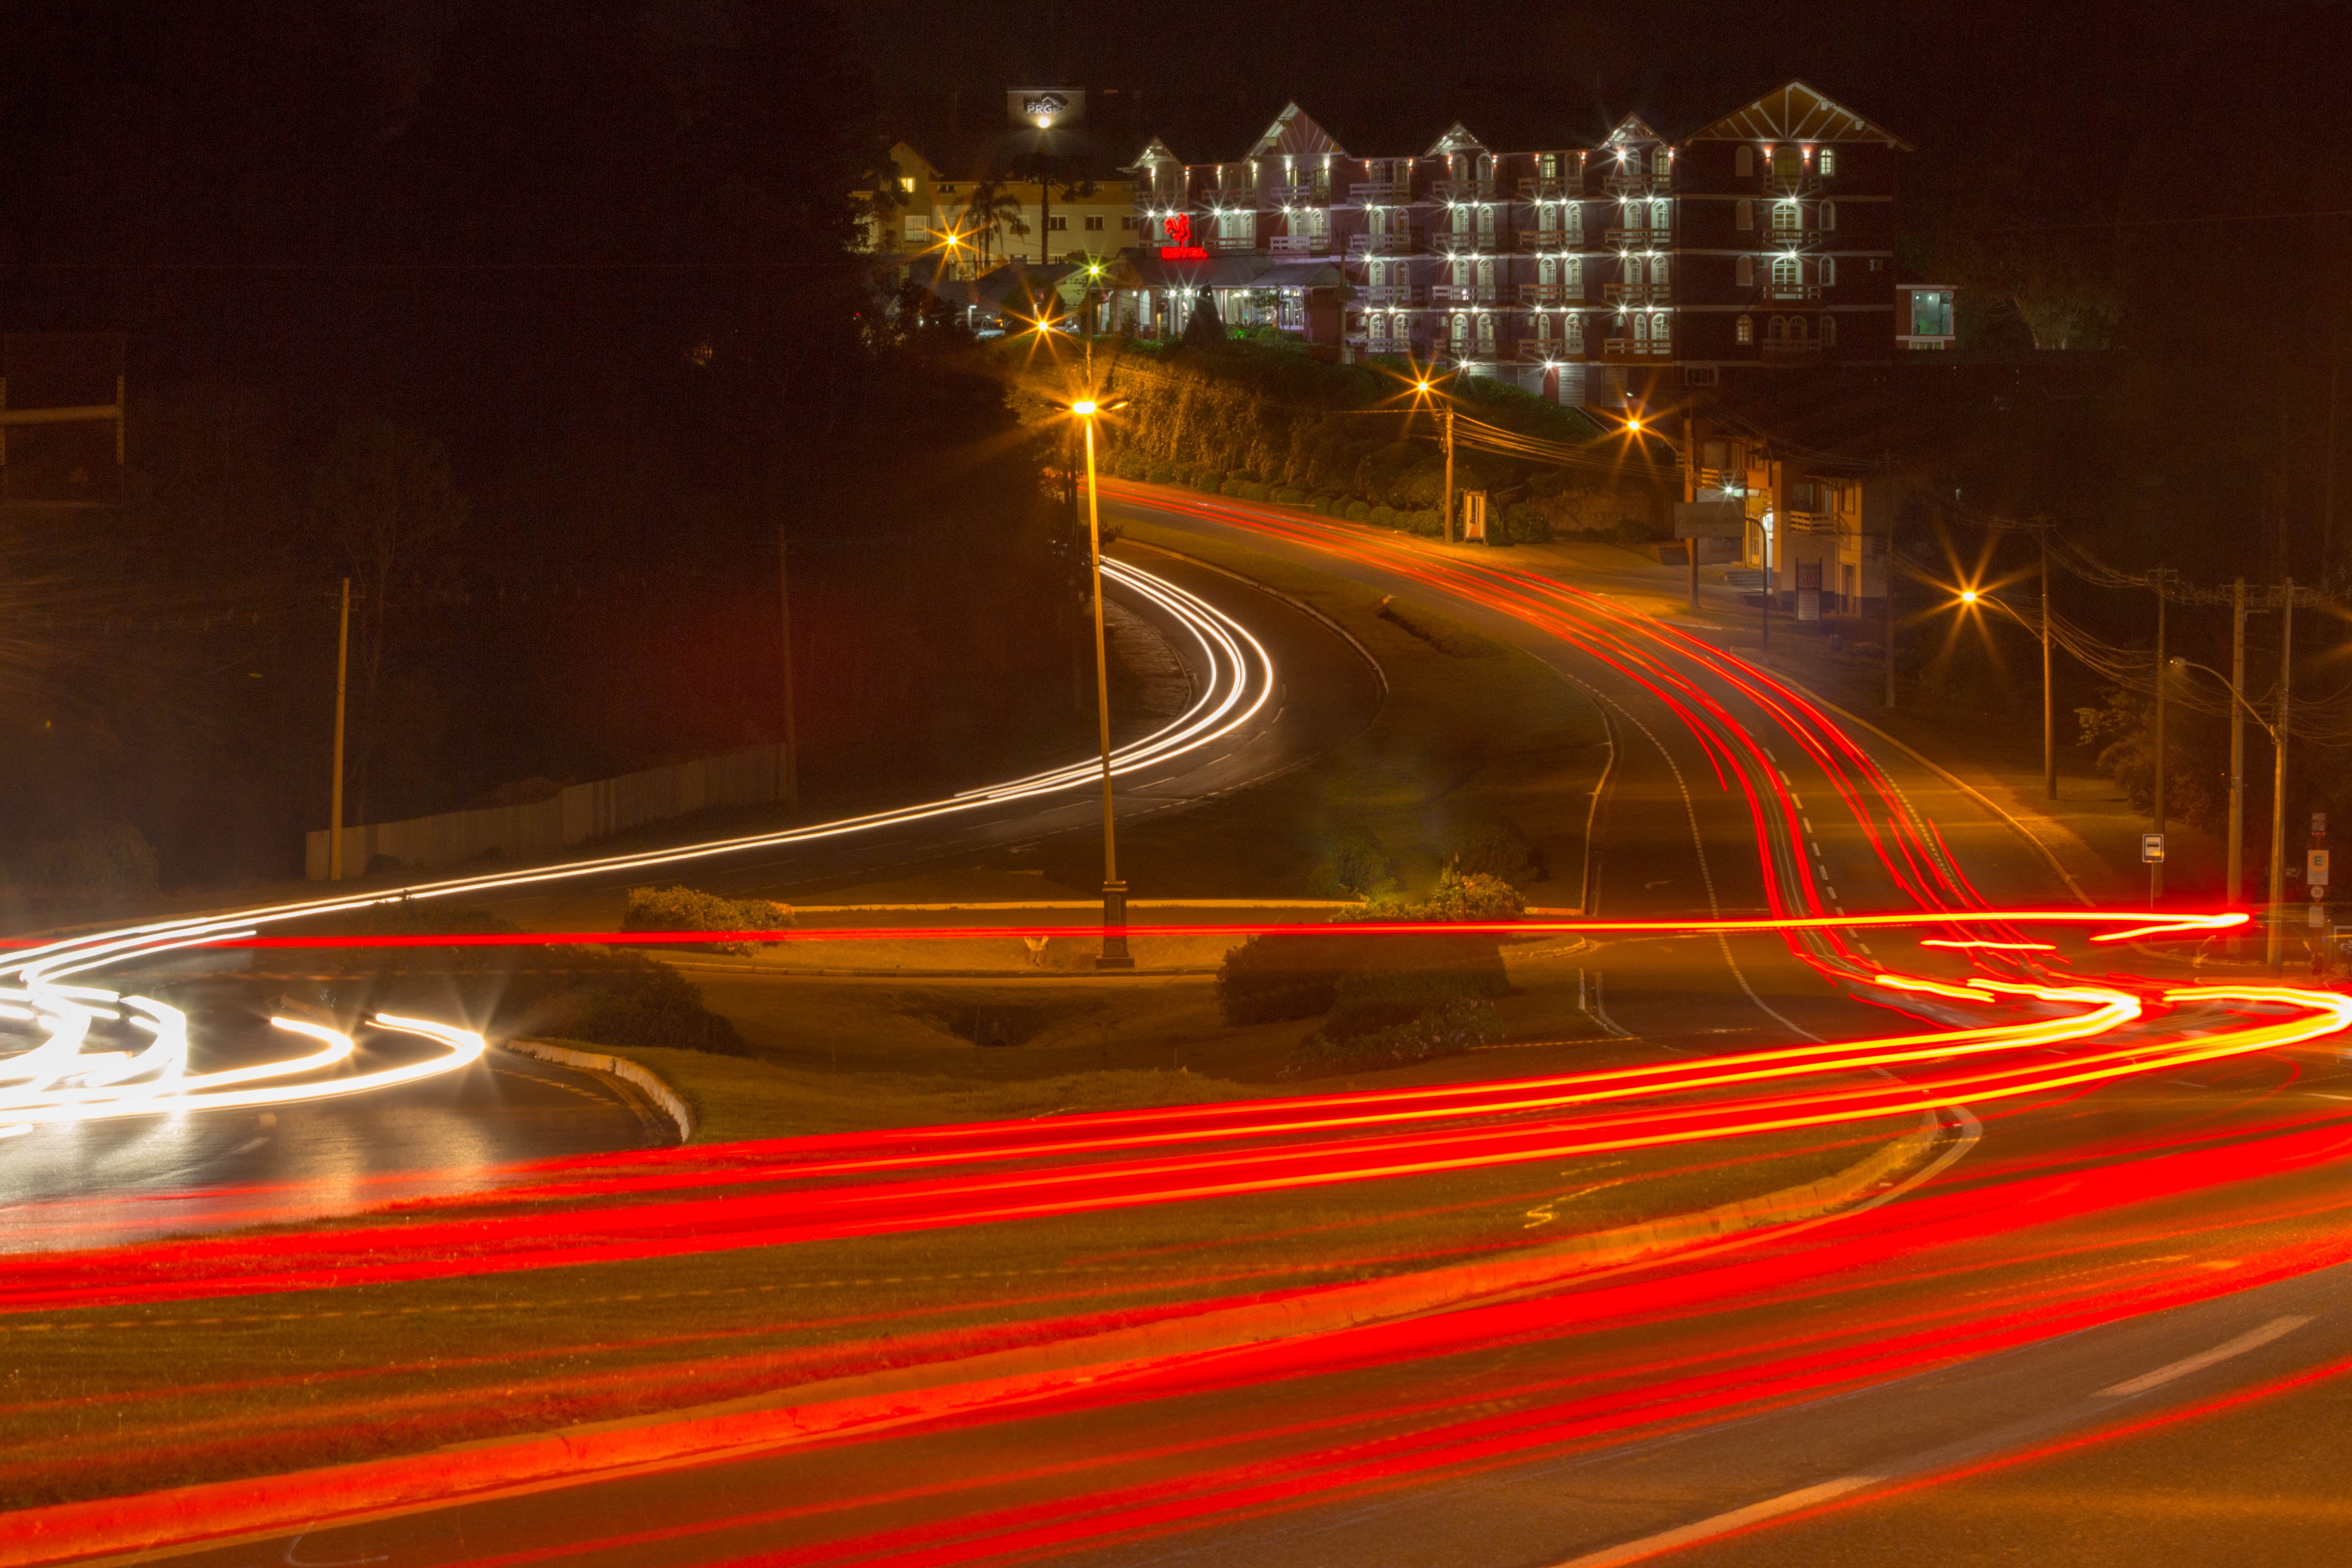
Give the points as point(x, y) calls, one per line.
point(1114, 953)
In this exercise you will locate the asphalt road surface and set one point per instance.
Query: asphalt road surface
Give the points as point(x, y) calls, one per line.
point(1767, 1402)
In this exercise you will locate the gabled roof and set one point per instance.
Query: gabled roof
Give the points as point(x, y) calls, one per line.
point(1633, 128)
point(1458, 139)
point(1294, 134)
point(1795, 112)
point(1154, 153)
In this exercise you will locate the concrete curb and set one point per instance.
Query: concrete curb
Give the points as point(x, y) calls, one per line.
point(220, 1511)
point(643, 1078)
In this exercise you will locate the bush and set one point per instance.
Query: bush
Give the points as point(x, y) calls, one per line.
point(680, 908)
point(1354, 865)
point(1448, 1029)
point(1491, 844)
point(1526, 524)
point(1253, 491)
point(1358, 512)
point(1290, 497)
point(1269, 979)
point(1633, 531)
point(1366, 1001)
point(1383, 515)
point(112, 862)
point(1427, 524)
point(637, 1001)
point(1160, 474)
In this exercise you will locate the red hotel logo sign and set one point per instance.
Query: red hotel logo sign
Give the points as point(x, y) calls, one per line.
point(1180, 246)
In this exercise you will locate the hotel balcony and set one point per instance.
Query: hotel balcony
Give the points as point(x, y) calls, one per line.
point(1552, 293)
point(1627, 182)
point(1219, 246)
point(1299, 196)
point(1785, 186)
point(1638, 348)
point(1462, 191)
point(1466, 294)
point(1549, 351)
point(1787, 293)
point(1446, 242)
point(1790, 351)
point(1300, 245)
point(1553, 190)
point(1391, 294)
point(1549, 239)
point(1381, 193)
point(1384, 245)
point(1638, 293)
point(1636, 239)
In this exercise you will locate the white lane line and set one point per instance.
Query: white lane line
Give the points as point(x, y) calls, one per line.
point(1721, 1524)
point(2254, 1339)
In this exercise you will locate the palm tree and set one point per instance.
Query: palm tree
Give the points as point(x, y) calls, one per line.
point(992, 208)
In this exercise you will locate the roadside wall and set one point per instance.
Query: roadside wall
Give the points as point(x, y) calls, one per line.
point(581, 812)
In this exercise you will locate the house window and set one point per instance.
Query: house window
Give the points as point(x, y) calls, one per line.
point(1547, 165)
point(1743, 273)
point(1460, 333)
point(945, 190)
point(1788, 164)
point(1744, 215)
point(1743, 331)
point(1829, 214)
point(1640, 334)
point(1056, 224)
point(1658, 334)
point(1574, 276)
point(1093, 223)
point(1658, 272)
point(1662, 163)
point(1576, 223)
point(1485, 222)
point(1743, 162)
point(1829, 271)
point(1784, 217)
point(1380, 328)
point(1486, 333)
point(1575, 334)
point(1786, 272)
point(1128, 221)
point(1779, 331)
point(1658, 216)
point(1828, 162)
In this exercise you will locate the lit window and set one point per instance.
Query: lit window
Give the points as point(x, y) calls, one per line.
point(1743, 331)
point(1662, 163)
point(1829, 162)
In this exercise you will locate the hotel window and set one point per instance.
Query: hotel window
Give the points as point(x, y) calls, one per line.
point(1485, 222)
point(1829, 271)
point(1547, 165)
point(1829, 331)
point(1640, 334)
point(1743, 273)
point(1743, 162)
point(1575, 334)
point(1056, 224)
point(1486, 333)
point(1658, 339)
point(1786, 272)
point(1828, 162)
point(1128, 221)
point(1788, 164)
point(1829, 214)
point(1744, 217)
point(1743, 331)
point(1784, 217)
point(1380, 328)
point(1093, 223)
point(1658, 272)
point(1576, 223)
point(1658, 219)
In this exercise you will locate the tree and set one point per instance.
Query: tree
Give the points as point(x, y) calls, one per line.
point(992, 208)
point(385, 494)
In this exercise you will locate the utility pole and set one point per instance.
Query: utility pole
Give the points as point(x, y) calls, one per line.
point(1892, 513)
point(1114, 953)
point(1449, 476)
point(792, 758)
point(2048, 704)
point(2275, 950)
point(335, 790)
point(2156, 866)
point(2237, 860)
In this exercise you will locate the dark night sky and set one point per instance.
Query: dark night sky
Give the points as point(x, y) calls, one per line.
point(1388, 77)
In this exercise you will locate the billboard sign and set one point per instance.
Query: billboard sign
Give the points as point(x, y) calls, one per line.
point(61, 419)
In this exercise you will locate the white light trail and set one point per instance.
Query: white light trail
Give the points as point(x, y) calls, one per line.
point(61, 1080)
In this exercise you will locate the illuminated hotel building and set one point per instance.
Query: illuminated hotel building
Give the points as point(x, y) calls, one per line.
point(1632, 268)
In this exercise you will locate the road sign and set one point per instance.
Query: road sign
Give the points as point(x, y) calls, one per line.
point(2318, 915)
point(1709, 520)
point(2319, 824)
point(2151, 848)
point(2315, 869)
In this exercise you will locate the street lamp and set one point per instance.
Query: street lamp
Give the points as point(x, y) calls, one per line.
point(2274, 948)
point(1969, 597)
point(1114, 953)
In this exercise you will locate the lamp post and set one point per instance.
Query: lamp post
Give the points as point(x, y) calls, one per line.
point(1970, 596)
point(2272, 951)
point(1114, 953)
